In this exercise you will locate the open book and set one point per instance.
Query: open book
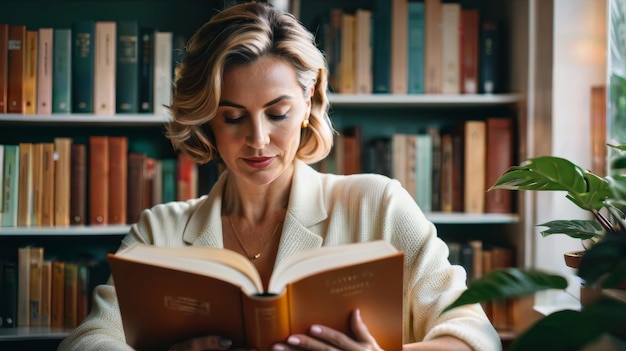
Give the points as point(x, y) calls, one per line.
point(167, 295)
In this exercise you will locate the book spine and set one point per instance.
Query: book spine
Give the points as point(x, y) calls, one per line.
point(399, 46)
point(98, 172)
point(70, 295)
point(10, 187)
point(168, 167)
point(44, 71)
point(382, 47)
point(4, 56)
point(23, 286)
point(474, 166)
point(416, 47)
point(118, 176)
point(35, 288)
point(489, 58)
point(127, 83)
point(62, 71)
point(146, 70)
point(433, 46)
point(83, 66)
point(499, 159)
point(16, 68)
point(58, 294)
point(25, 185)
point(162, 89)
point(8, 294)
point(104, 68)
point(62, 175)
point(469, 51)
point(266, 320)
point(30, 72)
point(47, 185)
point(450, 73)
point(135, 185)
point(78, 186)
point(37, 183)
point(46, 292)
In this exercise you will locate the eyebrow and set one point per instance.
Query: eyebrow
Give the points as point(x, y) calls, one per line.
point(278, 99)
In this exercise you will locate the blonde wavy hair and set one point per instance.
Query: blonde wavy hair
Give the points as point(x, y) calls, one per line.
point(238, 35)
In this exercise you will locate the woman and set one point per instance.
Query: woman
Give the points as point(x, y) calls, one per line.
point(251, 91)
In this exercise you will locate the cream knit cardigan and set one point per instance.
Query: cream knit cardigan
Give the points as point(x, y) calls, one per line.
point(323, 210)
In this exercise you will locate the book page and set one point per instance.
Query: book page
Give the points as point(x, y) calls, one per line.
point(223, 264)
point(324, 258)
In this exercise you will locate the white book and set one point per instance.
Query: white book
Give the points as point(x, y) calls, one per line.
point(423, 171)
point(451, 70)
point(163, 46)
point(104, 73)
point(44, 71)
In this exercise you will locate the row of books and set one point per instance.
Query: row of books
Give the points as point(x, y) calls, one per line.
point(478, 258)
point(63, 183)
point(445, 169)
point(98, 67)
point(411, 47)
point(47, 292)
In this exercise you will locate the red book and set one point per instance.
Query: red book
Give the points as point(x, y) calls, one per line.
point(499, 159)
point(469, 51)
point(4, 42)
point(16, 69)
point(98, 180)
point(187, 178)
point(118, 175)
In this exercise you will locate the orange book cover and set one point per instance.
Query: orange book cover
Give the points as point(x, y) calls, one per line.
point(47, 185)
point(98, 173)
point(46, 292)
point(16, 68)
point(323, 285)
point(399, 47)
point(118, 176)
point(78, 187)
point(62, 173)
point(4, 55)
point(499, 159)
point(474, 166)
point(433, 46)
point(35, 288)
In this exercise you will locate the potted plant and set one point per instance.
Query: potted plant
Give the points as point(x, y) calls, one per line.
point(602, 264)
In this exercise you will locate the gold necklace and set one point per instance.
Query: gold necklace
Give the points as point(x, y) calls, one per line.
point(258, 254)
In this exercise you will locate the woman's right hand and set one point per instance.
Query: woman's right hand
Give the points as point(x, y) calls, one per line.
point(203, 343)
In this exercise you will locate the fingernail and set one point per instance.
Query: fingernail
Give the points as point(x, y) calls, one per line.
point(293, 340)
point(316, 329)
point(278, 347)
point(224, 342)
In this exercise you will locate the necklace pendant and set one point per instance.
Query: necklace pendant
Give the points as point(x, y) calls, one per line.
point(257, 255)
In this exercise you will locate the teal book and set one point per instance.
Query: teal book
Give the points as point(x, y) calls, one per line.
point(127, 74)
point(423, 171)
point(168, 169)
point(382, 47)
point(416, 47)
point(146, 69)
point(11, 168)
point(83, 65)
point(62, 71)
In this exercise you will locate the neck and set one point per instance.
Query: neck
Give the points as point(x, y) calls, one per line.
point(254, 203)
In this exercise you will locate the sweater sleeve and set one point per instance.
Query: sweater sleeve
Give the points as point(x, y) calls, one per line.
point(432, 283)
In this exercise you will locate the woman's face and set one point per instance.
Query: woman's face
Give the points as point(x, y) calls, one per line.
point(258, 121)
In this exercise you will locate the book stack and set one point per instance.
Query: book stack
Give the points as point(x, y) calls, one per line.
point(94, 67)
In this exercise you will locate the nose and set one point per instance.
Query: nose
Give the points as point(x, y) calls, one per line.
point(258, 135)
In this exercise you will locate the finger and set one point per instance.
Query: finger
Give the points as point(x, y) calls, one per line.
point(203, 343)
point(360, 329)
point(333, 337)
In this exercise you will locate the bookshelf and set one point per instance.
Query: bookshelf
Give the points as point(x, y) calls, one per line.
point(399, 111)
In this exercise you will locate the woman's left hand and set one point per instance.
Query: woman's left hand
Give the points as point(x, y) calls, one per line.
point(324, 338)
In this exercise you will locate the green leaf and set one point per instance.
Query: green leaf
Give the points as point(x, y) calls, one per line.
point(603, 258)
point(570, 330)
point(617, 185)
point(618, 147)
point(505, 283)
point(550, 173)
point(575, 228)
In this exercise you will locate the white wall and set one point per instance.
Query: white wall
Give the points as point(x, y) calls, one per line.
point(580, 56)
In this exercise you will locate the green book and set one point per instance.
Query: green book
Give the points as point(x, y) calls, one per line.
point(416, 47)
point(168, 169)
point(11, 168)
point(382, 47)
point(83, 65)
point(62, 71)
point(127, 72)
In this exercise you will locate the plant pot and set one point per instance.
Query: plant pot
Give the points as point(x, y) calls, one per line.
point(572, 258)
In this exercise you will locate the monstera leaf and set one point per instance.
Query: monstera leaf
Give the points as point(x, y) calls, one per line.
point(550, 173)
point(505, 283)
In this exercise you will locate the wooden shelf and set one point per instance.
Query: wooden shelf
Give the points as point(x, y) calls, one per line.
point(423, 100)
point(71, 230)
point(32, 333)
point(85, 119)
